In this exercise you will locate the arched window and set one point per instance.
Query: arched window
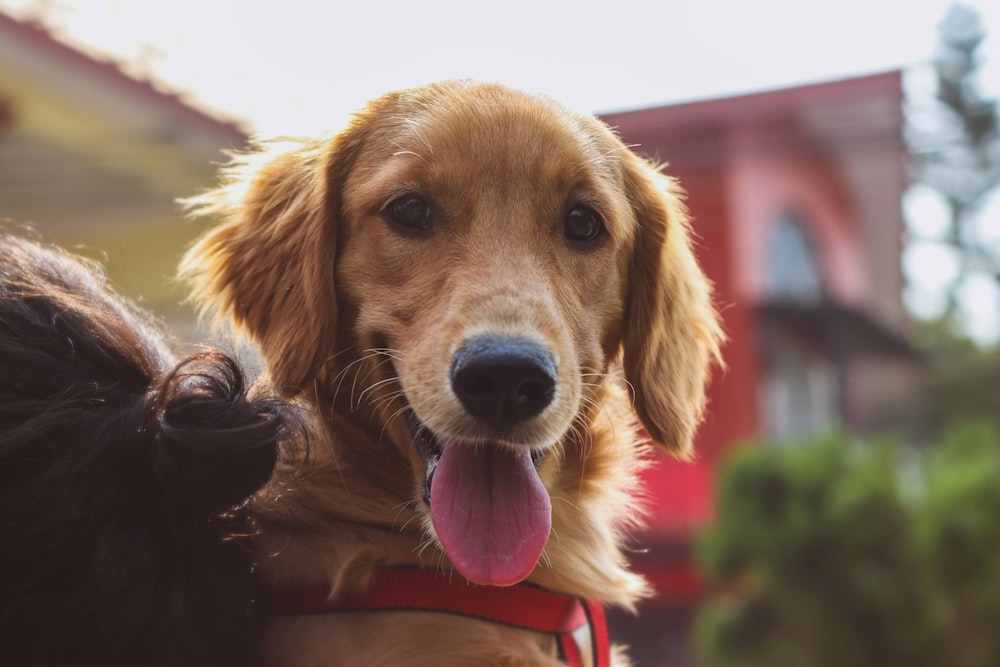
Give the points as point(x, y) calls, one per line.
point(794, 273)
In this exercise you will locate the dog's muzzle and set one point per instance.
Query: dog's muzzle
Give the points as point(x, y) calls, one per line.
point(491, 512)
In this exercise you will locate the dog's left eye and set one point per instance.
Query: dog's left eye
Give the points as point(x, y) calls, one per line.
point(583, 225)
point(409, 213)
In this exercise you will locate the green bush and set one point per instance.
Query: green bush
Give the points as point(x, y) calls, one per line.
point(832, 553)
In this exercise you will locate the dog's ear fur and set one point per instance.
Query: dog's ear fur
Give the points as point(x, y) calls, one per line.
point(671, 331)
point(269, 264)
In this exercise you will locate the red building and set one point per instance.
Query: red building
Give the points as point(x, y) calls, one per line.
point(795, 196)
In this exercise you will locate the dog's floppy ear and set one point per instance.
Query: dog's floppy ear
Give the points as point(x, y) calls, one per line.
point(269, 264)
point(671, 329)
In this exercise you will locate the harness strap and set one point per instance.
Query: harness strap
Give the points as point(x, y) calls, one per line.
point(523, 606)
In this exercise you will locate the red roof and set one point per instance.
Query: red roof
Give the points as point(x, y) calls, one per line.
point(753, 108)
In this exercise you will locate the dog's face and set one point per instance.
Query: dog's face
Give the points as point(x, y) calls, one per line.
point(489, 254)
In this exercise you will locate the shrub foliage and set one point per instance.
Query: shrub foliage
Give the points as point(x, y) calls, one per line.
point(833, 553)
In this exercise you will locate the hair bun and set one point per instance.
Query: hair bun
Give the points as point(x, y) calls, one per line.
point(214, 445)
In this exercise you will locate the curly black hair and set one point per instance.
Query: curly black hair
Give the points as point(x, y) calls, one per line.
point(124, 479)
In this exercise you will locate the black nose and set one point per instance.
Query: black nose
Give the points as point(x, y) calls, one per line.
point(503, 380)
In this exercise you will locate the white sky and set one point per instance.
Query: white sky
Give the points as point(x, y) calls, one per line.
point(301, 66)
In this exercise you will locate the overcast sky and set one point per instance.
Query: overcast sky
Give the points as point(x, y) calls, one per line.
point(301, 66)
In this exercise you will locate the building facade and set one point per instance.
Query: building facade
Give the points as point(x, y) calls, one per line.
point(795, 196)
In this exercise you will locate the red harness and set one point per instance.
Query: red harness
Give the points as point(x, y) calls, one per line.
point(523, 606)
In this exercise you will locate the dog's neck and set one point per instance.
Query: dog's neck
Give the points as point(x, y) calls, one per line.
point(579, 626)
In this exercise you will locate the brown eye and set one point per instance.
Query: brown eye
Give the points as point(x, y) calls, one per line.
point(409, 213)
point(583, 225)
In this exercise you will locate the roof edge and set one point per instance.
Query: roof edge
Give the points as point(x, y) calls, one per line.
point(38, 36)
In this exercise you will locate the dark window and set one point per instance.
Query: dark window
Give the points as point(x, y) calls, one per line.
point(794, 272)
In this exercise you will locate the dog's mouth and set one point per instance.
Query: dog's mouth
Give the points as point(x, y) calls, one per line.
point(488, 506)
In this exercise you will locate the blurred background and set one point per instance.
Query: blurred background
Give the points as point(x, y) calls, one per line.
point(842, 163)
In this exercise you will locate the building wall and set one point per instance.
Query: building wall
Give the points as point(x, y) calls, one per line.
point(831, 155)
point(745, 163)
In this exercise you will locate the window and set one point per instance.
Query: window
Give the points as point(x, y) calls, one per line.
point(800, 391)
point(793, 270)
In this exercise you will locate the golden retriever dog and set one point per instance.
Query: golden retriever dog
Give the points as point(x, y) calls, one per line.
point(491, 306)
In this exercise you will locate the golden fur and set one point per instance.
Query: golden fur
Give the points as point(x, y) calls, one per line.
point(352, 317)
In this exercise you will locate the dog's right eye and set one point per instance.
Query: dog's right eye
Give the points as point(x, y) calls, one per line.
point(409, 213)
point(583, 226)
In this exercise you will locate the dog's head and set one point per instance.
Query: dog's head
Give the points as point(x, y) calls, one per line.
point(475, 261)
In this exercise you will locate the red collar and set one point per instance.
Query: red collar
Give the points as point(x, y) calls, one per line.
point(523, 606)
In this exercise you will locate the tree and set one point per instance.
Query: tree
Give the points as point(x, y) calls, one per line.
point(957, 150)
point(955, 144)
point(826, 554)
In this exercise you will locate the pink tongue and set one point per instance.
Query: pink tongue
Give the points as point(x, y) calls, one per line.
point(491, 512)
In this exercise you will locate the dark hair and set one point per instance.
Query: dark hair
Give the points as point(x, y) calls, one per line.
point(124, 478)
